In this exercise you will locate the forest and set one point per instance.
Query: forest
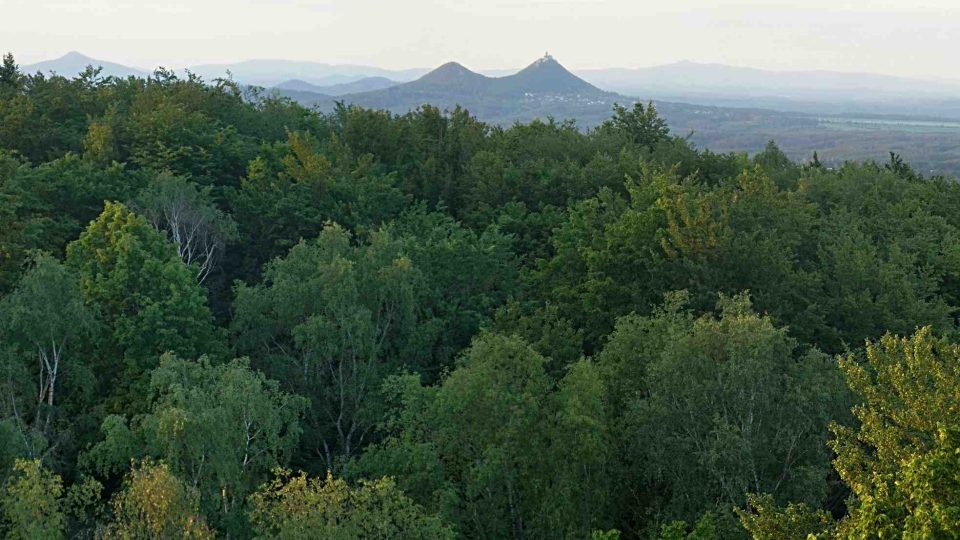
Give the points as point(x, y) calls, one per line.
point(225, 315)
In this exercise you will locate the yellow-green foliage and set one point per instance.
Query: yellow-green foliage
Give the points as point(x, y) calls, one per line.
point(32, 504)
point(155, 504)
point(902, 463)
point(298, 507)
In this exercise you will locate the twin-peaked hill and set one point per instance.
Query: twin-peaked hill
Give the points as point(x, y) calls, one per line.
point(543, 89)
point(545, 77)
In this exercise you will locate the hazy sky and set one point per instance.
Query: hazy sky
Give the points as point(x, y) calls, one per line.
point(904, 37)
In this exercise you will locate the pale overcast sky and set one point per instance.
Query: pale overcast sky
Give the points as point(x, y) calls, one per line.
point(903, 37)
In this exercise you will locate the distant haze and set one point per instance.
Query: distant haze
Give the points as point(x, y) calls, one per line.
point(895, 37)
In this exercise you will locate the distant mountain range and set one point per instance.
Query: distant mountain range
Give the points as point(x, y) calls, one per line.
point(365, 84)
point(265, 73)
point(270, 73)
point(815, 92)
point(723, 79)
point(544, 88)
point(73, 63)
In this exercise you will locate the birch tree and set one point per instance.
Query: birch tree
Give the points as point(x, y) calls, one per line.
point(46, 314)
point(219, 428)
point(188, 216)
point(721, 407)
point(330, 321)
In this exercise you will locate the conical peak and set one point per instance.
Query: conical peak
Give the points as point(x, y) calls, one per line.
point(450, 73)
point(74, 55)
point(546, 59)
point(451, 68)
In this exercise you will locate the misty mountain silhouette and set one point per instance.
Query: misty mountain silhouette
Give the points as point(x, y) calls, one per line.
point(543, 89)
point(74, 63)
point(365, 84)
point(546, 76)
point(451, 77)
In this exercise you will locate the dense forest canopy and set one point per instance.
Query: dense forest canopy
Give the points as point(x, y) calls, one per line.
point(225, 315)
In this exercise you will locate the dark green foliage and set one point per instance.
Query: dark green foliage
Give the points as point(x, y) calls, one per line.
point(330, 321)
point(292, 190)
point(9, 75)
point(222, 428)
point(454, 303)
point(46, 327)
point(45, 207)
point(470, 331)
point(482, 447)
point(132, 277)
point(641, 124)
point(731, 394)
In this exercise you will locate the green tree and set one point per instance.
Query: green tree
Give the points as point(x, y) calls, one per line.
point(45, 315)
point(704, 529)
point(330, 321)
point(46, 206)
point(496, 450)
point(454, 304)
point(35, 505)
point(32, 504)
point(222, 428)
point(144, 293)
point(549, 333)
point(642, 124)
point(732, 403)
point(291, 190)
point(901, 461)
point(765, 521)
point(9, 75)
point(300, 508)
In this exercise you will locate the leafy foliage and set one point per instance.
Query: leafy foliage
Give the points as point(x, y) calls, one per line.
point(143, 292)
point(901, 462)
point(155, 504)
point(458, 330)
point(480, 447)
point(332, 320)
point(297, 507)
point(222, 428)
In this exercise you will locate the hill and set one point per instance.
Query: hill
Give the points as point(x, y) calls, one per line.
point(547, 76)
point(274, 72)
point(543, 89)
point(73, 63)
point(365, 84)
point(544, 77)
point(450, 77)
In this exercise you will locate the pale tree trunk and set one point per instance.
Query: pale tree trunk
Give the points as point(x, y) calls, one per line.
point(49, 370)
